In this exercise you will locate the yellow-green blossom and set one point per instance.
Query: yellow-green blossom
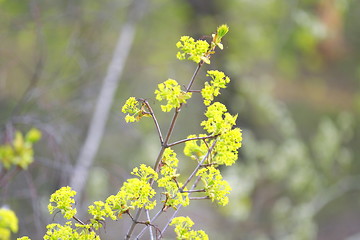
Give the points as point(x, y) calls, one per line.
point(183, 229)
point(216, 188)
point(8, 223)
point(63, 200)
point(212, 89)
point(171, 92)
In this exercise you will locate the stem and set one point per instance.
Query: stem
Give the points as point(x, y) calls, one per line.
point(192, 191)
point(134, 222)
point(199, 198)
point(78, 220)
point(150, 229)
point(198, 166)
point(152, 220)
point(155, 120)
point(190, 139)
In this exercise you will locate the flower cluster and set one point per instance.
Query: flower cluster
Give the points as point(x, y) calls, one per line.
point(212, 89)
point(69, 232)
point(219, 120)
point(20, 153)
point(135, 193)
point(63, 201)
point(195, 50)
point(215, 187)
point(171, 91)
point(134, 109)
point(195, 150)
point(183, 229)
point(8, 223)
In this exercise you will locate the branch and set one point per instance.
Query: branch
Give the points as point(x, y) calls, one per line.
point(163, 147)
point(199, 198)
point(105, 99)
point(151, 112)
point(190, 139)
point(198, 166)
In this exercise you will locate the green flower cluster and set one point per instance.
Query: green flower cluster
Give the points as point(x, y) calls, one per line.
point(169, 165)
point(219, 120)
point(183, 229)
point(63, 200)
point(135, 193)
point(215, 187)
point(134, 109)
point(195, 150)
point(195, 50)
point(212, 89)
point(8, 223)
point(200, 50)
point(20, 153)
point(68, 231)
point(171, 91)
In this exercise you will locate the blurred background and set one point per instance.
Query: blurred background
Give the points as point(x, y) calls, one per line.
point(295, 74)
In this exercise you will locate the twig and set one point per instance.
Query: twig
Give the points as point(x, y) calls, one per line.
point(150, 229)
point(192, 191)
point(151, 112)
point(79, 221)
point(152, 220)
point(191, 139)
point(199, 198)
point(198, 166)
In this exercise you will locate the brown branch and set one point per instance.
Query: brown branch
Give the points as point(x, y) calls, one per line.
point(190, 139)
point(199, 198)
point(199, 165)
point(151, 112)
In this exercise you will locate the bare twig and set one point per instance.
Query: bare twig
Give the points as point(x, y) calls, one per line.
point(151, 112)
point(150, 229)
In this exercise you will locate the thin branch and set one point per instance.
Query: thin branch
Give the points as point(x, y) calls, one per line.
point(79, 221)
point(173, 121)
point(151, 112)
point(150, 229)
point(190, 139)
point(199, 198)
point(192, 191)
point(133, 224)
point(199, 165)
point(151, 221)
